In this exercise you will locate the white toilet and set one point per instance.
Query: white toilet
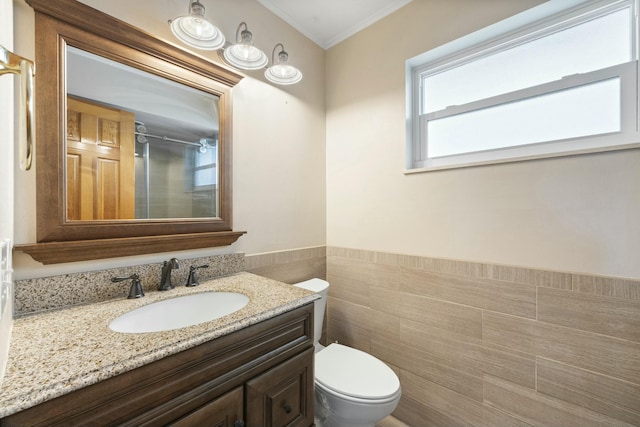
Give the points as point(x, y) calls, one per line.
point(352, 388)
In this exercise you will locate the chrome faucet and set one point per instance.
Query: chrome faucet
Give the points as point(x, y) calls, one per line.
point(165, 278)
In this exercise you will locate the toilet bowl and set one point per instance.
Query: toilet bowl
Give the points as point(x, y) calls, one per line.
point(352, 388)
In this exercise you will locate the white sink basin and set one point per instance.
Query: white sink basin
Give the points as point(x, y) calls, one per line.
point(176, 313)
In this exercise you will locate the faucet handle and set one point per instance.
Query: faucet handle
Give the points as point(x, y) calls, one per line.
point(192, 280)
point(135, 291)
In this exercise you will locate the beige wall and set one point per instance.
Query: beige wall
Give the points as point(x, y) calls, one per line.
point(279, 136)
point(573, 213)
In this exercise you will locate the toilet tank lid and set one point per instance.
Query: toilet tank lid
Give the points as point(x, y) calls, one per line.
point(313, 285)
point(355, 373)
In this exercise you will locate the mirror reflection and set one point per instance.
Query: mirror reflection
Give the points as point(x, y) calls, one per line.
point(138, 146)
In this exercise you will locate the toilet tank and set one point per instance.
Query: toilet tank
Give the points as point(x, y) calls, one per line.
point(320, 287)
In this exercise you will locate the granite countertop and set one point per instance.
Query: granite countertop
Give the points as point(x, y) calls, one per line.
point(54, 353)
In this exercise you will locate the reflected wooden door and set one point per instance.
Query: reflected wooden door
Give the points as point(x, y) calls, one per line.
point(100, 162)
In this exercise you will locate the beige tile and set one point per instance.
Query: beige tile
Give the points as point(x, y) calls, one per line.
point(511, 273)
point(335, 251)
point(504, 297)
point(605, 315)
point(349, 336)
point(388, 259)
point(292, 272)
point(607, 355)
point(386, 345)
point(349, 253)
point(347, 312)
point(366, 273)
point(385, 325)
point(302, 254)
point(381, 258)
point(289, 266)
point(450, 266)
point(349, 324)
point(428, 366)
point(541, 410)
point(422, 336)
point(351, 280)
point(607, 286)
point(461, 409)
point(554, 279)
point(259, 260)
point(467, 354)
point(528, 276)
point(436, 313)
point(603, 394)
point(410, 261)
point(419, 414)
point(385, 328)
point(353, 291)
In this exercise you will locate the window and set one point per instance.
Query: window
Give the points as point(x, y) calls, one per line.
point(547, 82)
point(204, 171)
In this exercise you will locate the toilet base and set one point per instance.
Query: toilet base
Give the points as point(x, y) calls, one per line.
point(331, 411)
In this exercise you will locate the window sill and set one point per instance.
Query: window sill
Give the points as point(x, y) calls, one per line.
point(523, 158)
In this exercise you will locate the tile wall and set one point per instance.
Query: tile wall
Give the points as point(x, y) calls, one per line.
point(290, 266)
point(489, 345)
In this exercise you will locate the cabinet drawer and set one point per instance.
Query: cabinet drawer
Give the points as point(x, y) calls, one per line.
point(225, 411)
point(283, 396)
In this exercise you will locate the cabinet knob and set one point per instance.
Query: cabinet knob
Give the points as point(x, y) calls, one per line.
point(238, 423)
point(287, 408)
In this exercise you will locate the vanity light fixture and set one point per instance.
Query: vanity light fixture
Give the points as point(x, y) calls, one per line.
point(195, 30)
point(281, 72)
point(243, 54)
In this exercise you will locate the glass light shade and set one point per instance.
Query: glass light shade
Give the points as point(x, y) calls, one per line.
point(281, 72)
point(247, 57)
point(195, 30)
point(244, 54)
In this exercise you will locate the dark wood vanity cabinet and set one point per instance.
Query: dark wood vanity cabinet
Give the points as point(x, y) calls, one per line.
point(259, 376)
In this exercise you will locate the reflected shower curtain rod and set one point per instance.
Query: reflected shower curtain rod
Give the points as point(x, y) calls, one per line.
point(166, 138)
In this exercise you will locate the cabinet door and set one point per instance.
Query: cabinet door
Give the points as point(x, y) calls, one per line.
point(283, 396)
point(225, 411)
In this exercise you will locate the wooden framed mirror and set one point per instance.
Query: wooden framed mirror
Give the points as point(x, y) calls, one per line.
point(109, 225)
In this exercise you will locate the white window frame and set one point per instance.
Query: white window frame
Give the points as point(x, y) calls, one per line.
point(528, 25)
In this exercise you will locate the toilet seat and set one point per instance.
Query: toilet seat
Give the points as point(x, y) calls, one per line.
point(355, 375)
point(351, 399)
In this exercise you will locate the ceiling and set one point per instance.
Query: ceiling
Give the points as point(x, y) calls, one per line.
point(328, 22)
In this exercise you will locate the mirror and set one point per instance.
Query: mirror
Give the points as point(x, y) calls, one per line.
point(138, 146)
point(69, 32)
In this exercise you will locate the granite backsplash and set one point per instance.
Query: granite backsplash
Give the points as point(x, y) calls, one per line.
point(56, 292)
